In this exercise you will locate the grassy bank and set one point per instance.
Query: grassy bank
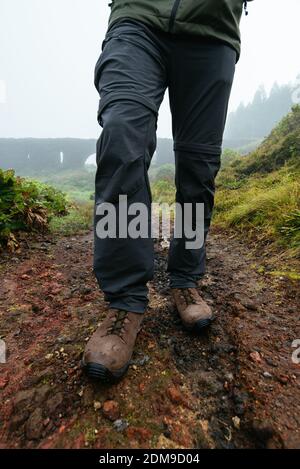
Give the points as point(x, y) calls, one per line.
point(259, 195)
point(78, 220)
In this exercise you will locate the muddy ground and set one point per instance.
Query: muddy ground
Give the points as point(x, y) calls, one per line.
point(233, 387)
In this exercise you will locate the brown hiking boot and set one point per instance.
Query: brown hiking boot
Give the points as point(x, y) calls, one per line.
point(193, 310)
point(108, 352)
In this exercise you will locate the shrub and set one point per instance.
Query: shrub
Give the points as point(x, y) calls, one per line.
point(26, 205)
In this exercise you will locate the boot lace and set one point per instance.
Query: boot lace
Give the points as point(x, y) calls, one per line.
point(190, 295)
point(117, 326)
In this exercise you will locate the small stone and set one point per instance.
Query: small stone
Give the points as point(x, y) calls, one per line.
point(236, 422)
point(25, 277)
point(141, 361)
point(255, 357)
point(61, 429)
point(120, 425)
point(271, 362)
point(142, 387)
point(4, 380)
point(229, 377)
point(283, 379)
point(111, 410)
point(250, 305)
point(97, 405)
point(266, 374)
point(175, 395)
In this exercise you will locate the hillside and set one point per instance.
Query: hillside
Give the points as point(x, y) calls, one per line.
point(259, 195)
point(254, 121)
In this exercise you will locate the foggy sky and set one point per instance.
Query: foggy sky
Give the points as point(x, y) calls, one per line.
point(48, 49)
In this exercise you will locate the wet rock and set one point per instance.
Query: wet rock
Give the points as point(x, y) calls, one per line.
point(111, 410)
point(120, 425)
point(34, 425)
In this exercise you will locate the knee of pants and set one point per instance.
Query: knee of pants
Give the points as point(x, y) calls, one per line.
point(129, 128)
point(124, 150)
point(196, 172)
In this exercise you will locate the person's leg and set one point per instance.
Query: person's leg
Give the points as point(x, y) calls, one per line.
point(131, 79)
point(201, 79)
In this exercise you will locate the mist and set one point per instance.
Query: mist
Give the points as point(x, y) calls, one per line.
point(48, 51)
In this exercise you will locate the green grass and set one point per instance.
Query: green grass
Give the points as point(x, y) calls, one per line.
point(78, 185)
point(259, 195)
point(78, 220)
point(265, 206)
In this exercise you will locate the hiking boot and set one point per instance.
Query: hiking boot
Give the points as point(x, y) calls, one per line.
point(193, 310)
point(108, 352)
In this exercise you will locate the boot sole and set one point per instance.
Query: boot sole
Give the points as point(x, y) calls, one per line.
point(200, 325)
point(98, 372)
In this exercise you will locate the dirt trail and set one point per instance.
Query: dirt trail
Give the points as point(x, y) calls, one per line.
point(235, 386)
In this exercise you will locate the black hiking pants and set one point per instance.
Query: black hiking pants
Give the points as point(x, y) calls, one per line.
point(135, 68)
